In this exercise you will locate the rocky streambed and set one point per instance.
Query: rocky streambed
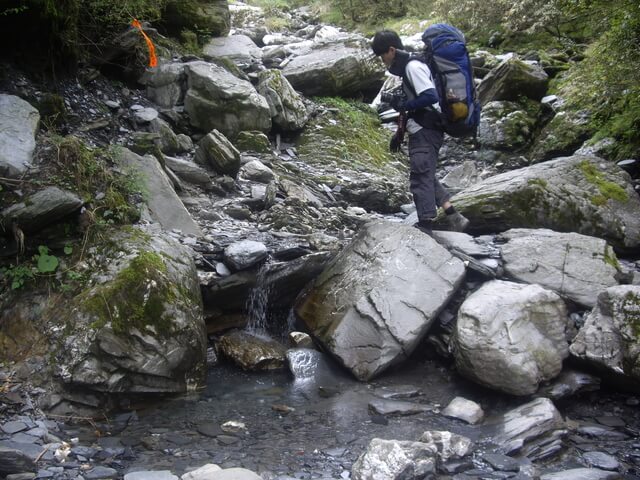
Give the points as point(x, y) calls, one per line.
point(316, 425)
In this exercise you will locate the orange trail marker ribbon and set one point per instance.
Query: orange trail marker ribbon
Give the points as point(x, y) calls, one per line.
point(153, 61)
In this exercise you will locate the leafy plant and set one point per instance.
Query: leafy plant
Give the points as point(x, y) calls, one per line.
point(46, 263)
point(18, 275)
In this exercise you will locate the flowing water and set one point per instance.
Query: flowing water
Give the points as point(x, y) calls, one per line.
point(315, 424)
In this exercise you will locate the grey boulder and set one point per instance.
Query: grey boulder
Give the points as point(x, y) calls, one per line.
point(369, 307)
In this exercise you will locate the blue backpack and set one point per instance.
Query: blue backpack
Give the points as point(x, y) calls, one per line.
point(447, 57)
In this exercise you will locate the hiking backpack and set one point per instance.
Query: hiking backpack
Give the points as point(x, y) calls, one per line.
point(447, 57)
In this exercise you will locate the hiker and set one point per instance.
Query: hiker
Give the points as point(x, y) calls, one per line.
point(420, 102)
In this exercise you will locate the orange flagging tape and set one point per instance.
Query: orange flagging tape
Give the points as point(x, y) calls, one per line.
point(153, 61)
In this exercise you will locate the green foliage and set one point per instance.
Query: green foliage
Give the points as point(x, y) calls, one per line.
point(46, 263)
point(17, 275)
point(356, 131)
point(97, 182)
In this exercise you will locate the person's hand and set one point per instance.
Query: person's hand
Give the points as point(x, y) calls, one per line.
point(396, 99)
point(398, 103)
point(395, 143)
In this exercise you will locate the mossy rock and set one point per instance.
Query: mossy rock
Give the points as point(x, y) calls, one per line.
point(561, 136)
point(138, 326)
point(253, 142)
point(207, 17)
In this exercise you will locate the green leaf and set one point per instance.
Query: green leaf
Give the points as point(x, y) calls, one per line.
point(47, 263)
point(68, 249)
point(43, 250)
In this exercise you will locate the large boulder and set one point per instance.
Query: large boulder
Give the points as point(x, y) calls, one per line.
point(238, 49)
point(510, 337)
point(165, 206)
point(339, 68)
point(18, 126)
point(583, 194)
point(513, 79)
point(369, 307)
point(610, 337)
point(218, 100)
point(138, 327)
point(207, 17)
point(576, 266)
point(288, 112)
point(561, 136)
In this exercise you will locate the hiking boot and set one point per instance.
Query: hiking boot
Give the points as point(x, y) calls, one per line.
point(425, 226)
point(457, 222)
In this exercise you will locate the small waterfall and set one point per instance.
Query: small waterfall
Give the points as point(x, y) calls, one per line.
point(258, 305)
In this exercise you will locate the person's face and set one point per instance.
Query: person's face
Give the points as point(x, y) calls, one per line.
point(388, 56)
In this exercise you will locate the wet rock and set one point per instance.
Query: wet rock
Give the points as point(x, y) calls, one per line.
point(570, 382)
point(499, 342)
point(376, 323)
point(461, 176)
point(464, 409)
point(18, 126)
point(461, 241)
point(501, 462)
point(449, 445)
point(144, 114)
point(398, 391)
point(99, 473)
point(533, 430)
point(581, 474)
point(244, 254)
point(575, 266)
point(395, 460)
point(14, 427)
point(301, 340)
point(164, 204)
point(41, 209)
point(252, 353)
point(15, 461)
point(397, 407)
point(601, 460)
point(609, 337)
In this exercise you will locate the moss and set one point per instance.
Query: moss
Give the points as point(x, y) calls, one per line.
point(608, 190)
point(356, 136)
point(541, 182)
point(631, 309)
point(610, 258)
point(136, 298)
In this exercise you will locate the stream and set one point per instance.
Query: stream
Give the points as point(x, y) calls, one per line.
point(285, 427)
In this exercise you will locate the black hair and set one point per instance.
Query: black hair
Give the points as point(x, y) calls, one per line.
point(385, 39)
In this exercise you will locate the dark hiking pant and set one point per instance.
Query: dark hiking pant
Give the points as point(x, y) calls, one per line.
point(428, 193)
